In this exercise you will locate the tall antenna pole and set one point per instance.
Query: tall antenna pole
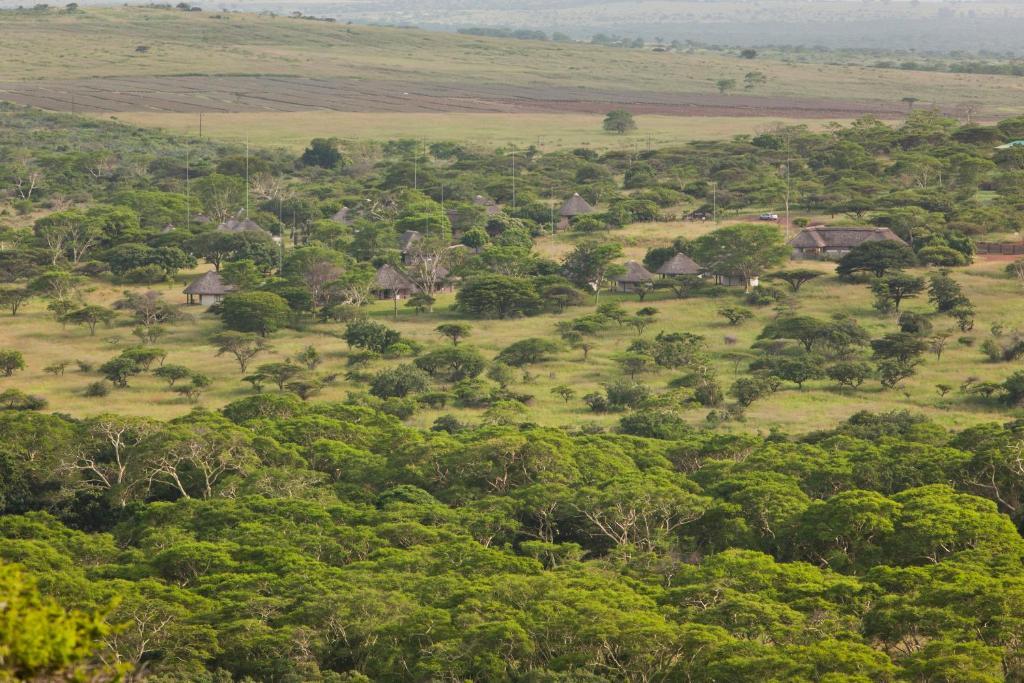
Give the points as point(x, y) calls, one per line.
point(551, 207)
point(415, 167)
point(188, 195)
point(714, 200)
point(200, 124)
point(513, 177)
point(246, 175)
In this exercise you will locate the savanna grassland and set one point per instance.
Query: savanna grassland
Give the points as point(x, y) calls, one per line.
point(815, 406)
point(589, 486)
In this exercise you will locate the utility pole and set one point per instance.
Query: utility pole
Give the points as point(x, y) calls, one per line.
point(714, 201)
point(200, 125)
point(552, 208)
point(247, 175)
point(513, 177)
point(188, 196)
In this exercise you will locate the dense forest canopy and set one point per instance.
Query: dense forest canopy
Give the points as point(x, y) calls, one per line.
point(284, 538)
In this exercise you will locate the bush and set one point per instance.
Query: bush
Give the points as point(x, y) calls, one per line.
point(399, 381)
point(10, 361)
point(259, 312)
point(144, 275)
point(15, 399)
point(764, 295)
point(597, 402)
point(654, 424)
point(626, 394)
point(941, 256)
point(527, 351)
point(849, 373)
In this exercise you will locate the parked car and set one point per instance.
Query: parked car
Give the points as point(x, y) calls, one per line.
point(768, 217)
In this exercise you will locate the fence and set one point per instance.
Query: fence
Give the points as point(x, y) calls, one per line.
point(1011, 248)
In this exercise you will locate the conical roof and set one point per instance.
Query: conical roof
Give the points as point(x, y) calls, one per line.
point(390, 278)
point(407, 239)
point(680, 264)
point(575, 206)
point(208, 284)
point(635, 272)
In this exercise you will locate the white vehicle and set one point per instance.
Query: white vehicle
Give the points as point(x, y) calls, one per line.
point(769, 217)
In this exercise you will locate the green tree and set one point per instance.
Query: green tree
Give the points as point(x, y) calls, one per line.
point(591, 263)
point(744, 250)
point(10, 361)
point(877, 258)
point(795, 277)
point(119, 370)
point(90, 316)
point(891, 290)
point(735, 314)
point(242, 345)
point(43, 641)
point(171, 373)
point(454, 331)
point(259, 312)
point(527, 351)
point(399, 381)
point(619, 121)
point(498, 296)
point(451, 364)
point(322, 152)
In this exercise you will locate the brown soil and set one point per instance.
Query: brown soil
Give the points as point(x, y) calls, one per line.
point(229, 94)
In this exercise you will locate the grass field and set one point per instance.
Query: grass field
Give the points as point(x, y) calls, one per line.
point(293, 130)
point(819, 404)
point(155, 62)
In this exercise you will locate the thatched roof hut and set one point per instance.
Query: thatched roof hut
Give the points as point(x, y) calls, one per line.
point(392, 283)
point(244, 225)
point(575, 206)
point(819, 240)
point(207, 288)
point(680, 264)
point(636, 276)
point(407, 239)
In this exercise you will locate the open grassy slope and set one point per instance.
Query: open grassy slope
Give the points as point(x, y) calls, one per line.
point(819, 404)
point(302, 78)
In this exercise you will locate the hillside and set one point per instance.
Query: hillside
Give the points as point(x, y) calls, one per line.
point(163, 67)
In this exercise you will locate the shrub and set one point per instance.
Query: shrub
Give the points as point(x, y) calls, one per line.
point(399, 381)
point(849, 373)
point(941, 256)
point(10, 361)
point(527, 351)
point(626, 394)
point(259, 312)
point(654, 424)
point(97, 389)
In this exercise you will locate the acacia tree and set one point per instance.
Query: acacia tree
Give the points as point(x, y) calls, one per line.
point(591, 263)
point(90, 316)
point(454, 331)
point(796, 277)
point(14, 297)
point(193, 458)
point(109, 459)
point(242, 345)
point(10, 361)
point(744, 250)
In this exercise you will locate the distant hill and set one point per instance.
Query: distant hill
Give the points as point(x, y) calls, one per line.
point(167, 60)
